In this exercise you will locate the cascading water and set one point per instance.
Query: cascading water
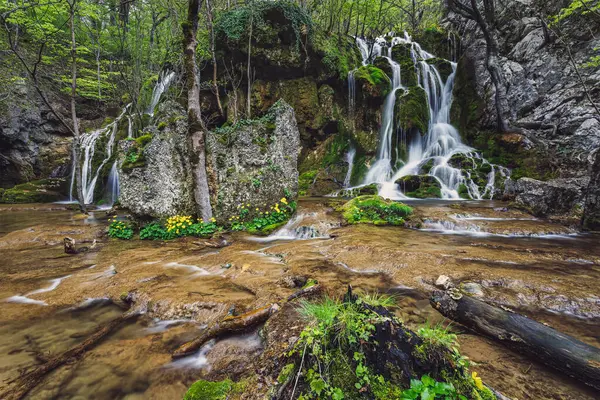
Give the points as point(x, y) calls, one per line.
point(89, 174)
point(113, 184)
point(164, 81)
point(350, 160)
point(438, 145)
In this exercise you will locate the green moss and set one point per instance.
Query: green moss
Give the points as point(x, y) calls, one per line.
point(443, 66)
point(373, 80)
point(420, 186)
point(305, 181)
point(463, 191)
point(339, 54)
point(371, 189)
point(206, 390)
point(412, 110)
point(162, 125)
point(40, 191)
point(401, 53)
point(143, 140)
point(375, 210)
point(286, 373)
point(266, 230)
point(426, 168)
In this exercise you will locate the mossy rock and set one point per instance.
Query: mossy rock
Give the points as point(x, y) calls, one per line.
point(401, 53)
point(372, 189)
point(460, 161)
point(206, 390)
point(375, 210)
point(426, 168)
point(444, 67)
point(373, 81)
point(383, 64)
point(40, 191)
point(411, 110)
point(463, 192)
point(420, 186)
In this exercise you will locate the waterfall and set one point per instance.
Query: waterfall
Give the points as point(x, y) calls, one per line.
point(113, 184)
point(164, 81)
point(438, 144)
point(350, 160)
point(129, 128)
point(88, 147)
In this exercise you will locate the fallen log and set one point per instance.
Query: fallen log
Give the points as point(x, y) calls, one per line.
point(26, 382)
point(309, 291)
point(226, 326)
point(555, 349)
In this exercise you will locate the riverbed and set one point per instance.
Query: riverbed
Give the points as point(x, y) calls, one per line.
point(51, 300)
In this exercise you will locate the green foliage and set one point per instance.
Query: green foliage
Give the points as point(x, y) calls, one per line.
point(143, 140)
point(339, 55)
point(429, 389)
point(258, 220)
point(305, 181)
point(120, 230)
point(155, 231)
point(577, 7)
point(40, 191)
point(206, 390)
point(379, 82)
point(375, 210)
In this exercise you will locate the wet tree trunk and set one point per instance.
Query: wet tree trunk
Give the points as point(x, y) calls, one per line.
point(557, 350)
point(195, 125)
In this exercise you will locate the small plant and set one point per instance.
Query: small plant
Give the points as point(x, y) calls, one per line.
point(262, 220)
point(375, 210)
point(428, 388)
point(154, 231)
point(120, 230)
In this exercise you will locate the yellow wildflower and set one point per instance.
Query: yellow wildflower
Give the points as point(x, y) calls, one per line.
point(256, 208)
point(477, 380)
point(213, 219)
point(283, 200)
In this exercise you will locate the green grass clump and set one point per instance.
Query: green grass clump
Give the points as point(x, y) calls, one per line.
point(375, 210)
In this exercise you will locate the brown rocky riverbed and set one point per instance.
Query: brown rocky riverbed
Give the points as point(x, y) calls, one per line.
point(52, 300)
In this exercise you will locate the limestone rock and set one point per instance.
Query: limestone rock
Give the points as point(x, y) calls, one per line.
point(255, 163)
point(444, 282)
point(161, 185)
point(591, 218)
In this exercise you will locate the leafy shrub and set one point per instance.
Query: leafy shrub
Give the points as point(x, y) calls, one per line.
point(120, 230)
point(154, 231)
point(429, 389)
point(375, 210)
point(262, 221)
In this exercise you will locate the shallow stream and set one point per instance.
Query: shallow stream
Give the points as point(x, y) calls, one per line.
point(51, 301)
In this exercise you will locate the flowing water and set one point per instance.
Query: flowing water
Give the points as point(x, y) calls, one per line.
point(532, 266)
point(438, 145)
point(165, 78)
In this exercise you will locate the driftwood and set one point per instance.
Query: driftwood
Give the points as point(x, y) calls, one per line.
point(227, 326)
point(69, 244)
point(26, 382)
point(309, 291)
point(557, 350)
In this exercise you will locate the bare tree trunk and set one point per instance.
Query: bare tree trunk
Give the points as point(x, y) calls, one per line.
point(195, 125)
point(248, 72)
point(76, 138)
point(209, 21)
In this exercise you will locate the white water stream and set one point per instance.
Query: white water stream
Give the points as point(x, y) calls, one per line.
point(437, 145)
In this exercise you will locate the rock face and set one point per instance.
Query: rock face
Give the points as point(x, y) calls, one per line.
point(557, 196)
point(159, 183)
point(255, 162)
point(560, 128)
point(33, 143)
point(420, 186)
point(591, 218)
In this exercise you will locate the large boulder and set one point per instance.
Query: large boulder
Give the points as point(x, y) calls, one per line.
point(255, 162)
point(155, 177)
point(411, 111)
point(591, 217)
point(548, 198)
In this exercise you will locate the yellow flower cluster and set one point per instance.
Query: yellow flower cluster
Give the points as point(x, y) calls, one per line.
point(178, 223)
point(478, 382)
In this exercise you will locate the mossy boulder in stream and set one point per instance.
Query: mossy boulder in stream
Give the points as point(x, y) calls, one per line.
point(420, 186)
point(375, 210)
point(444, 67)
point(207, 390)
point(402, 54)
point(411, 110)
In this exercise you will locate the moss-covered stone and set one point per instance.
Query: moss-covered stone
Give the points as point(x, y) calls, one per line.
point(426, 168)
point(372, 189)
point(373, 81)
point(463, 191)
point(444, 67)
point(411, 110)
point(420, 186)
point(375, 210)
point(401, 53)
point(41, 191)
point(383, 64)
point(206, 390)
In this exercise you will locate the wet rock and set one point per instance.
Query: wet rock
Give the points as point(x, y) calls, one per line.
point(591, 218)
point(161, 185)
point(420, 186)
point(444, 282)
point(557, 196)
point(472, 289)
point(255, 163)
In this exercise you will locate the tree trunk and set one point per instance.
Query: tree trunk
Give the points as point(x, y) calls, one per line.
point(557, 350)
point(195, 125)
point(76, 138)
point(209, 21)
point(248, 71)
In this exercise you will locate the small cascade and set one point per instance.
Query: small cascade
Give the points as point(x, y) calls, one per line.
point(129, 128)
point(88, 148)
point(437, 146)
point(165, 78)
point(113, 184)
point(350, 160)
